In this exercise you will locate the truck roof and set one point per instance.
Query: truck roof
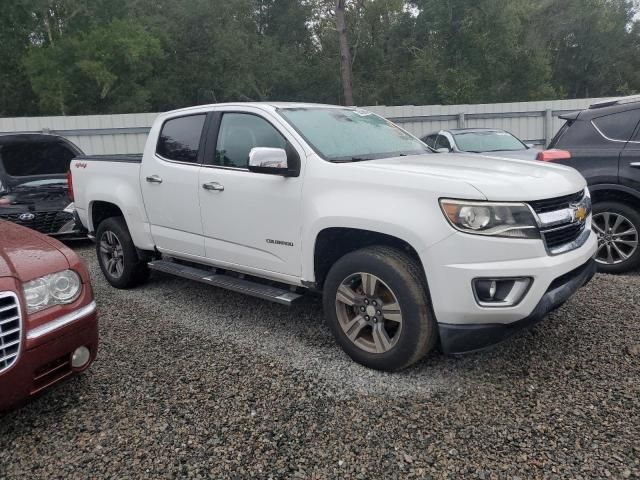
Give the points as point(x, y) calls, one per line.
point(263, 105)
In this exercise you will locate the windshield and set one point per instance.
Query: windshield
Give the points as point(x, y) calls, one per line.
point(488, 142)
point(340, 134)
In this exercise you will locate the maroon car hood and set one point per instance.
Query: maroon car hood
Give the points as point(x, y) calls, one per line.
point(26, 254)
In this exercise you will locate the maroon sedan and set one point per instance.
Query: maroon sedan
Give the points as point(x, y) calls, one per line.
point(48, 319)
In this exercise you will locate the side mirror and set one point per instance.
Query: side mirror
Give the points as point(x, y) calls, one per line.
point(269, 160)
point(443, 150)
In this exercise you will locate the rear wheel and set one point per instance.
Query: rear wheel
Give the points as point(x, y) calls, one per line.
point(618, 227)
point(377, 306)
point(117, 255)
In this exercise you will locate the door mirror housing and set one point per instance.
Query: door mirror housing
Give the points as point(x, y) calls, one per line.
point(272, 161)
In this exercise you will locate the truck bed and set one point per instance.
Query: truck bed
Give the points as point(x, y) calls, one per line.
point(128, 158)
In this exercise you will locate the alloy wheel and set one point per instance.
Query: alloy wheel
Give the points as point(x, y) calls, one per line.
point(617, 238)
point(112, 254)
point(369, 313)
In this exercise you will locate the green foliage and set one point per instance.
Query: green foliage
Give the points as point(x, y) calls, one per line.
point(109, 56)
point(104, 70)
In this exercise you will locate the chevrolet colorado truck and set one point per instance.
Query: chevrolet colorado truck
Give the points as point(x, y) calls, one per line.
point(409, 249)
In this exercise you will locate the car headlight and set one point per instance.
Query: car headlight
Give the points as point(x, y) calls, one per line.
point(54, 289)
point(512, 220)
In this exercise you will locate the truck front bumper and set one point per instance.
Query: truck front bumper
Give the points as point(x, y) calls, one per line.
point(452, 266)
point(465, 338)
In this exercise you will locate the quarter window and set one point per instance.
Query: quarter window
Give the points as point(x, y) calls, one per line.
point(180, 138)
point(239, 133)
point(619, 126)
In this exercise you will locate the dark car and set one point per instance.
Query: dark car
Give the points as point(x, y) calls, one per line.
point(33, 183)
point(603, 143)
point(494, 141)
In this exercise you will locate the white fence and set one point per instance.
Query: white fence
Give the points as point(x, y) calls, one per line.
point(533, 122)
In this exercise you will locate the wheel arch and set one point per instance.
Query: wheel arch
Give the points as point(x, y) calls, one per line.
point(332, 243)
point(615, 192)
point(100, 210)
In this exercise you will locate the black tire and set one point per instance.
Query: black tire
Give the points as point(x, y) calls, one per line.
point(134, 269)
point(402, 276)
point(633, 216)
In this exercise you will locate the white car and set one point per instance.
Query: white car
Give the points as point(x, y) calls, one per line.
point(488, 141)
point(408, 248)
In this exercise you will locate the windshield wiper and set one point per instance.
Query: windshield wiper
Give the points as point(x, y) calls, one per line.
point(351, 160)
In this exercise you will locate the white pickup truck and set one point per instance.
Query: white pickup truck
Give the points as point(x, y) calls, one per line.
point(409, 249)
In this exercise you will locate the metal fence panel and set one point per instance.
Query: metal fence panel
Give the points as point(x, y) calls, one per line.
point(533, 122)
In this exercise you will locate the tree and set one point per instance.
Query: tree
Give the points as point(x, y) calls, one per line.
point(104, 71)
point(345, 52)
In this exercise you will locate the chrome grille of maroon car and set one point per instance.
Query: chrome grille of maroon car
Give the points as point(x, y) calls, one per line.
point(10, 329)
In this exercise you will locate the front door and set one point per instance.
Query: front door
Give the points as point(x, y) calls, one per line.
point(251, 221)
point(629, 172)
point(169, 183)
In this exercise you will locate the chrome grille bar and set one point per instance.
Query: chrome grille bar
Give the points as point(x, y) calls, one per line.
point(10, 329)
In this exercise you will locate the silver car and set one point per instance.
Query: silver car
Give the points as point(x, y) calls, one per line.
point(491, 141)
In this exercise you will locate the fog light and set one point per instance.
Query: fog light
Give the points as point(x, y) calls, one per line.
point(500, 292)
point(80, 357)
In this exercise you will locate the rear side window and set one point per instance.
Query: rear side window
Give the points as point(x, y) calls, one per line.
point(618, 126)
point(180, 138)
point(24, 159)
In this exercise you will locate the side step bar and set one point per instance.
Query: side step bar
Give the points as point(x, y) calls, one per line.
point(240, 285)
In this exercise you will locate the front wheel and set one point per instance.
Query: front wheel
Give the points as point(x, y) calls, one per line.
point(617, 226)
point(377, 306)
point(117, 255)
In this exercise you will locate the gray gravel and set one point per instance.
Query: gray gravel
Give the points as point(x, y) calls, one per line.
point(196, 381)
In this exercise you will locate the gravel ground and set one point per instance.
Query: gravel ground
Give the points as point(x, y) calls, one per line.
point(200, 382)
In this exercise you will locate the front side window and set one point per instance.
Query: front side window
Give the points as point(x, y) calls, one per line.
point(239, 133)
point(180, 138)
point(493, 141)
point(343, 134)
point(618, 126)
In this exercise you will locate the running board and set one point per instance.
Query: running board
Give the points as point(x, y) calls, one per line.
point(240, 285)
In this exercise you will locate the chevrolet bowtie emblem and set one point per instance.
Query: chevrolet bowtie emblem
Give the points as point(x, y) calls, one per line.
point(580, 214)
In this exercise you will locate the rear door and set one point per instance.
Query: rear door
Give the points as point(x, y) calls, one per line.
point(169, 183)
point(630, 162)
point(596, 144)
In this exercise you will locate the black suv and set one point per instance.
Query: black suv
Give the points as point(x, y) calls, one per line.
point(604, 145)
point(33, 183)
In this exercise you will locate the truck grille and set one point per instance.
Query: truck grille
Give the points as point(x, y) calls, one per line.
point(10, 329)
point(553, 204)
point(43, 222)
point(557, 237)
point(562, 237)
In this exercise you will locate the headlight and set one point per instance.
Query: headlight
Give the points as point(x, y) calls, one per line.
point(513, 220)
point(55, 289)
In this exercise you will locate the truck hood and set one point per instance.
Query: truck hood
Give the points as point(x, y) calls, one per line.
point(498, 179)
point(26, 254)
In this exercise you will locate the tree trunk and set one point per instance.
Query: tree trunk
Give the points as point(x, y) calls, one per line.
point(345, 53)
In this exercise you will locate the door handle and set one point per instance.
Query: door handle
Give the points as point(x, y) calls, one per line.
point(635, 165)
point(154, 179)
point(213, 186)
